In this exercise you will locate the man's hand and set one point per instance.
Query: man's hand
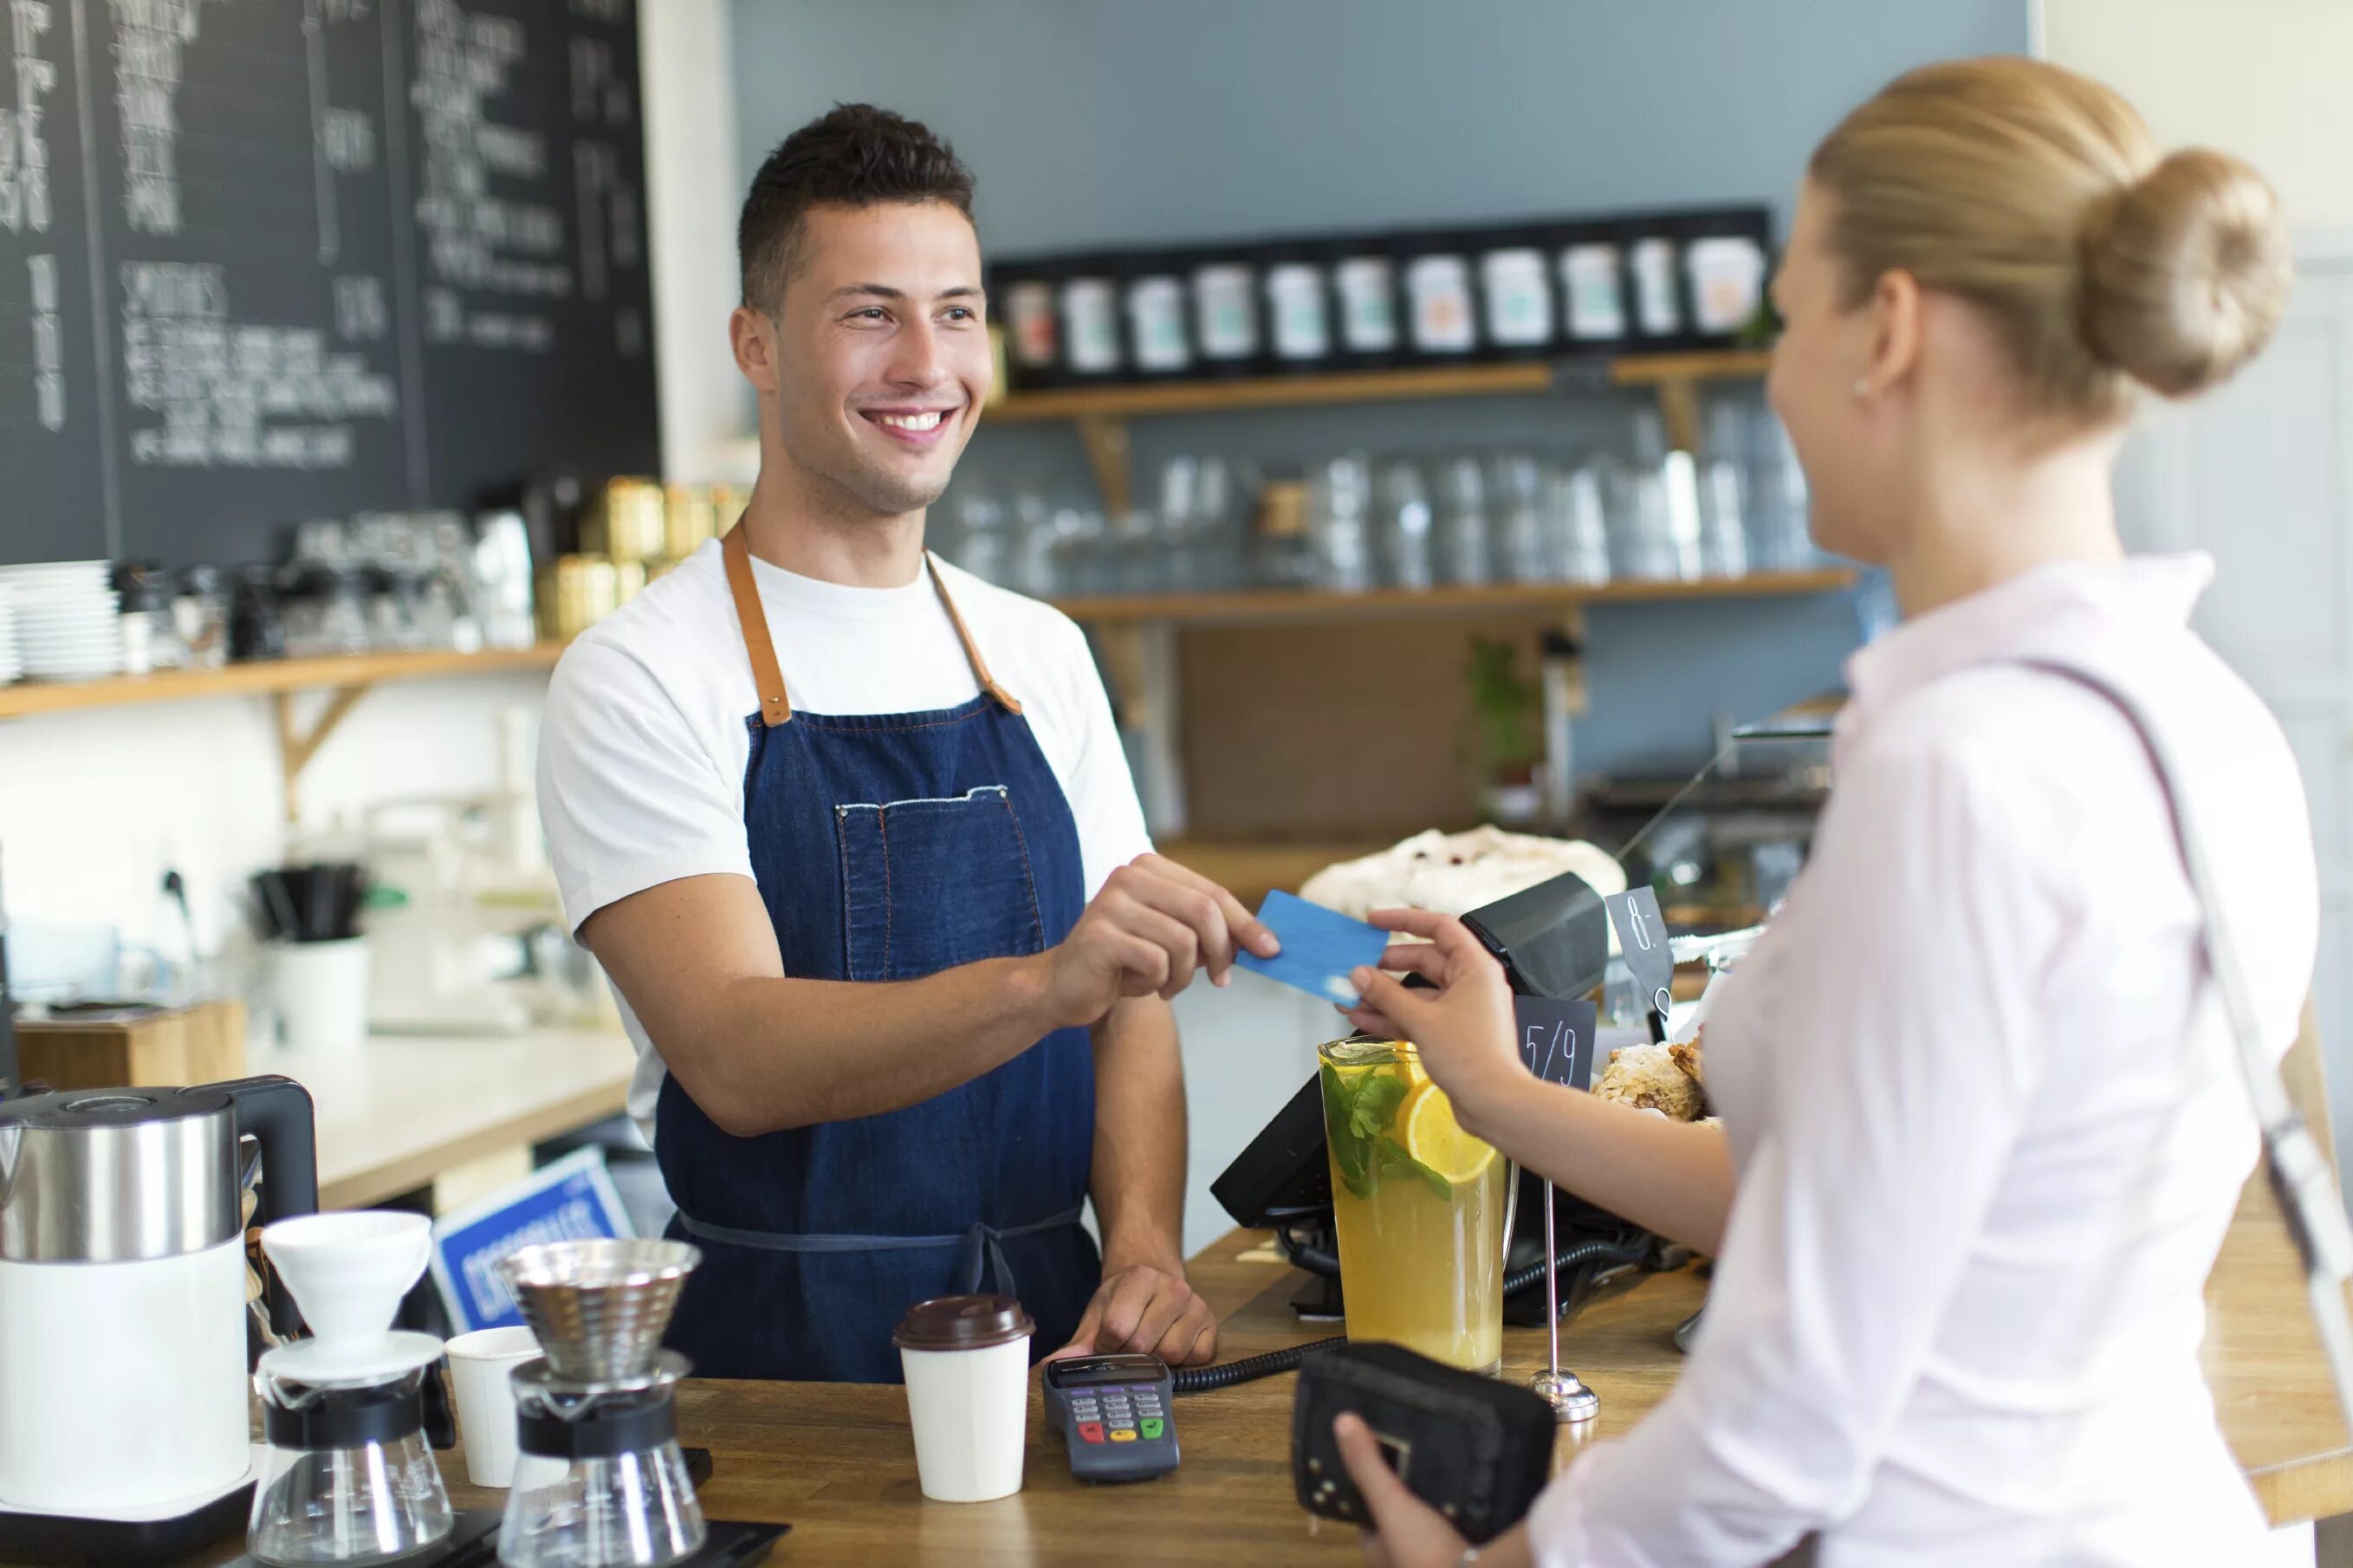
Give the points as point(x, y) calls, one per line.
point(1153, 925)
point(1466, 1030)
point(1150, 1311)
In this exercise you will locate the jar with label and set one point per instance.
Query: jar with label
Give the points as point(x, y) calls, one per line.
point(1024, 299)
point(1658, 298)
point(1441, 317)
point(1365, 304)
point(1227, 333)
point(1515, 295)
point(1089, 313)
point(1298, 310)
point(1727, 284)
point(1160, 339)
point(1593, 291)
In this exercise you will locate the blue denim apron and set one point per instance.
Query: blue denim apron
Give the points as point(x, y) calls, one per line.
point(889, 846)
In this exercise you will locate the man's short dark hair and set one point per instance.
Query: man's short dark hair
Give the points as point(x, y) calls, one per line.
point(855, 156)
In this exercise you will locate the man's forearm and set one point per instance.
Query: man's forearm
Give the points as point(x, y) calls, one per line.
point(1138, 1177)
point(766, 1053)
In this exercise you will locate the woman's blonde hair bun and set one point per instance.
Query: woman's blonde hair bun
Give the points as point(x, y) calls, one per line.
point(2038, 194)
point(2185, 272)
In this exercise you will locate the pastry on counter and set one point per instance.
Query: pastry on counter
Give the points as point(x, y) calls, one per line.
point(1653, 1077)
point(1454, 873)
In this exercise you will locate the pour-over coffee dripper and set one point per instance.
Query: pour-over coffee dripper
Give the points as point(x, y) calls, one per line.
point(349, 1477)
point(601, 1481)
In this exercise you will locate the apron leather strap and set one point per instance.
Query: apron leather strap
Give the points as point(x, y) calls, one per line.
point(971, 651)
point(769, 678)
point(774, 709)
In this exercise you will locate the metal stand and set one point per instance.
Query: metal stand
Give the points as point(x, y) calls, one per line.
point(1571, 1400)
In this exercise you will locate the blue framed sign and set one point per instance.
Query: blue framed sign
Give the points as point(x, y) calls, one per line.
point(571, 1199)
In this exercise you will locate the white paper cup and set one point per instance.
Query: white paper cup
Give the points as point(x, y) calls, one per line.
point(481, 1366)
point(321, 990)
point(967, 1360)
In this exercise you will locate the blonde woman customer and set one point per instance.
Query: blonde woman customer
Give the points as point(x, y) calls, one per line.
point(1983, 1127)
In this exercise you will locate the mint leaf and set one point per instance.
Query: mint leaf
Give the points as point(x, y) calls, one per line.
point(1351, 1153)
point(1394, 1158)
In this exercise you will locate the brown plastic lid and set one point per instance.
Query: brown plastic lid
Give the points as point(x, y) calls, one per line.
point(962, 1323)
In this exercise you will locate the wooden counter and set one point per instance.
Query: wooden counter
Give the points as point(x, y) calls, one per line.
point(837, 1459)
point(402, 1108)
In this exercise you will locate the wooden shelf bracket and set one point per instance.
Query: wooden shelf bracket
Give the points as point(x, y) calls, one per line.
point(297, 747)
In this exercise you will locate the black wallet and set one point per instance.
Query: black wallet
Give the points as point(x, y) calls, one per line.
point(1475, 1449)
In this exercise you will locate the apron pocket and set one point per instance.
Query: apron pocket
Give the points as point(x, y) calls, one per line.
point(927, 885)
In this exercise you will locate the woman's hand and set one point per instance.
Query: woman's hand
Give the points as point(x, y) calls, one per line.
point(1406, 1531)
point(1467, 1036)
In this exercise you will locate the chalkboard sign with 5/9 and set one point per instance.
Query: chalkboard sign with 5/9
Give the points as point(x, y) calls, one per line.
point(1556, 1038)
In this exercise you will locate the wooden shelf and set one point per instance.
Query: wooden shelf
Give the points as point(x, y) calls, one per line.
point(263, 677)
point(1101, 413)
point(1376, 387)
point(1291, 607)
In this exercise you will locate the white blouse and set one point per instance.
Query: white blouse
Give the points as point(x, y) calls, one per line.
point(1987, 1122)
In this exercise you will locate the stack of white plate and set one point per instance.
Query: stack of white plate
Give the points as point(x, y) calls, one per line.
point(12, 665)
point(67, 619)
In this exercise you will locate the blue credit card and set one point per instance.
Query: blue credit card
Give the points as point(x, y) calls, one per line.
point(1320, 948)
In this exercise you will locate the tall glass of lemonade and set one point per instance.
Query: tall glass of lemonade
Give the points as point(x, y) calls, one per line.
point(1420, 1207)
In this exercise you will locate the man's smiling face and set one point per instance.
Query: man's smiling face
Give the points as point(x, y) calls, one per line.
point(882, 356)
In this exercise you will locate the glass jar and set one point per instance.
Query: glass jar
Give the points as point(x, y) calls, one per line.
point(1157, 329)
point(1517, 296)
point(1339, 521)
point(200, 617)
point(1090, 317)
point(1440, 319)
point(1463, 531)
point(1576, 526)
point(1407, 546)
point(1365, 291)
point(1227, 333)
point(1517, 489)
point(1593, 293)
point(1033, 336)
point(1727, 284)
point(1298, 310)
point(1658, 304)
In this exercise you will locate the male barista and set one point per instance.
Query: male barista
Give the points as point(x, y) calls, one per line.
point(852, 833)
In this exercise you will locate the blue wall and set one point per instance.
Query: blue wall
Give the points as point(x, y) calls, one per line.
point(1139, 121)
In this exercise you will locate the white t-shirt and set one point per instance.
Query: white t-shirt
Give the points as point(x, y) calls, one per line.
point(643, 747)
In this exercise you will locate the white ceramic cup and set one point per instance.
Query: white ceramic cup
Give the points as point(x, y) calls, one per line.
point(348, 1270)
point(481, 1366)
point(966, 1361)
point(321, 992)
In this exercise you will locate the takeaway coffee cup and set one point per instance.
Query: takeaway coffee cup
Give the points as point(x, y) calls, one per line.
point(967, 1360)
point(481, 1365)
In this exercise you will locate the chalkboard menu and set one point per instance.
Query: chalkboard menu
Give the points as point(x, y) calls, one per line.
point(263, 260)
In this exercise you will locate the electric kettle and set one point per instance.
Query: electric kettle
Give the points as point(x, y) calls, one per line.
point(123, 1289)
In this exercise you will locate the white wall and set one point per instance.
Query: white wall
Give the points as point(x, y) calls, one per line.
point(2264, 79)
point(693, 192)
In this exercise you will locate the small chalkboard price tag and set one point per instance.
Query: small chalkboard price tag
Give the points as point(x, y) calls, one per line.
point(1642, 939)
point(1556, 1038)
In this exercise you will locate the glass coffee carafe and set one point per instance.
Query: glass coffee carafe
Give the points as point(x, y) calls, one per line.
point(1421, 1208)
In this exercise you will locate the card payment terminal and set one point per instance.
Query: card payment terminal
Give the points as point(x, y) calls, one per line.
point(1112, 1411)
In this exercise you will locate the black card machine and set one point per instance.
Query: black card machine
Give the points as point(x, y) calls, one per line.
point(1114, 1411)
point(1553, 940)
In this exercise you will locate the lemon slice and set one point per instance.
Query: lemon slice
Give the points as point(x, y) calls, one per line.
point(1426, 1128)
